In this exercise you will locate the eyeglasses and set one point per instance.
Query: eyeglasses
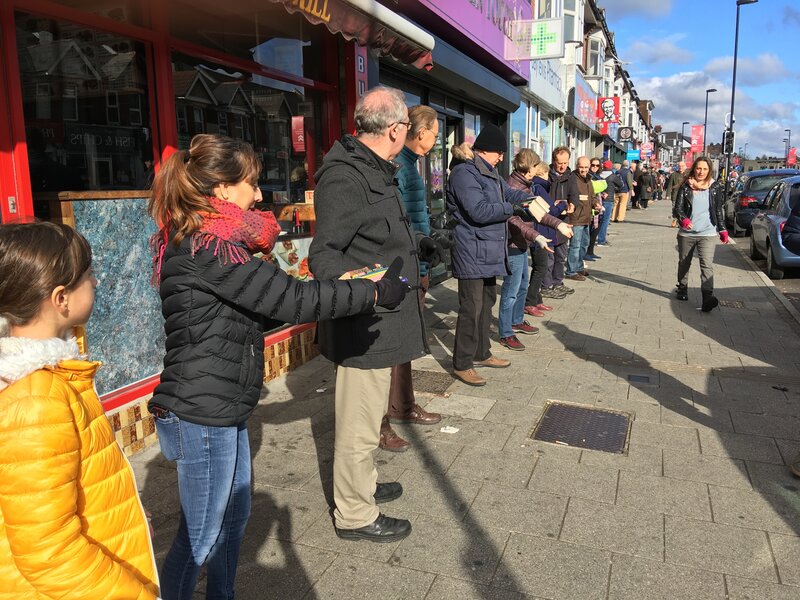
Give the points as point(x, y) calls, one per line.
point(595, 164)
point(406, 123)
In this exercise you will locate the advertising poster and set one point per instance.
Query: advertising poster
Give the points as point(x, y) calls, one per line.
point(697, 138)
point(607, 113)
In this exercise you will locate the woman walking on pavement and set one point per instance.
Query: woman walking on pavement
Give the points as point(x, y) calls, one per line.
point(698, 208)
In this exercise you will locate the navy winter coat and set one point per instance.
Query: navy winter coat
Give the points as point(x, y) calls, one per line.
point(481, 203)
point(412, 189)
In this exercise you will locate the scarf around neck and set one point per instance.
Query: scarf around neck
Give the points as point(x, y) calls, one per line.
point(233, 232)
point(700, 185)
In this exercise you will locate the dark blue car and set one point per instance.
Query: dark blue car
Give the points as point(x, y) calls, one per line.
point(751, 188)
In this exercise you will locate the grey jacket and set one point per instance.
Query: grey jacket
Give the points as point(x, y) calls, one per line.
point(361, 221)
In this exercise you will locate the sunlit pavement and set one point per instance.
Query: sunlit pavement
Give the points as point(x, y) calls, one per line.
point(701, 506)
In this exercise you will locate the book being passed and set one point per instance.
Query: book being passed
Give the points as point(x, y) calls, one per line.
point(375, 274)
point(538, 207)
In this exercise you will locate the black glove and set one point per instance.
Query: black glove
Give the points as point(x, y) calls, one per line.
point(391, 289)
point(430, 251)
point(521, 211)
point(443, 238)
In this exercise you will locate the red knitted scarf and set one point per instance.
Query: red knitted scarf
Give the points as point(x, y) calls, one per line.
point(234, 233)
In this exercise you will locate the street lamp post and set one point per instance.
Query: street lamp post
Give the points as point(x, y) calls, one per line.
point(745, 149)
point(705, 119)
point(739, 4)
point(788, 144)
point(683, 126)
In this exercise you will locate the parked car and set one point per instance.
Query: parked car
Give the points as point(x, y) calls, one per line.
point(751, 188)
point(766, 239)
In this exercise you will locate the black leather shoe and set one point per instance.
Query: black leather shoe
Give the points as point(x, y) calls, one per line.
point(383, 529)
point(386, 492)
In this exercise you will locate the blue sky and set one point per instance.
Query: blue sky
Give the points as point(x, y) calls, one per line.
point(680, 48)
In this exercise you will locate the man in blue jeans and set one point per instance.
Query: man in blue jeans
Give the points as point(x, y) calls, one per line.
point(581, 197)
point(614, 181)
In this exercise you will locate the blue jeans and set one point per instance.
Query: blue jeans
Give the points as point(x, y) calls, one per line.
point(578, 245)
point(608, 205)
point(513, 292)
point(214, 486)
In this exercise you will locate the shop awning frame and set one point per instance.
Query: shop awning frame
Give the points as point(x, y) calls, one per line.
point(370, 24)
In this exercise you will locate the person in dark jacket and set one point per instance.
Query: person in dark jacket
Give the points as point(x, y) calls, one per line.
point(553, 282)
point(481, 203)
point(361, 219)
point(582, 199)
point(698, 208)
point(648, 183)
point(422, 135)
point(615, 183)
point(216, 299)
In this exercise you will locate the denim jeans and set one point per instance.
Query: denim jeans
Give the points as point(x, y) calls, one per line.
point(214, 486)
point(605, 219)
point(577, 248)
point(513, 292)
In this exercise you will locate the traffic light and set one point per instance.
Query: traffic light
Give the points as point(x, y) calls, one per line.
point(729, 141)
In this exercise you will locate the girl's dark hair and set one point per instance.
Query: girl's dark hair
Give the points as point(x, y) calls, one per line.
point(36, 258)
point(690, 172)
point(187, 179)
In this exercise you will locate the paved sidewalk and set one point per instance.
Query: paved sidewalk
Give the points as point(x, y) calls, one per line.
point(702, 506)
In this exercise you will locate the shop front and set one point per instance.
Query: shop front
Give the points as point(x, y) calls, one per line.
point(95, 96)
point(580, 120)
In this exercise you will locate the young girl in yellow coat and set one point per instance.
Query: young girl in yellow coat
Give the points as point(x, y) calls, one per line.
point(71, 524)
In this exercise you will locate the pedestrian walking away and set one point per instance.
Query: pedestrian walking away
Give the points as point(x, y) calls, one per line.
point(698, 209)
point(361, 219)
point(216, 300)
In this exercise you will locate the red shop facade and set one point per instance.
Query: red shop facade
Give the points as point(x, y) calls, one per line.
point(95, 94)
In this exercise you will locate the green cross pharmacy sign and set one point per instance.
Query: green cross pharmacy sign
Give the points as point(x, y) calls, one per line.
point(535, 40)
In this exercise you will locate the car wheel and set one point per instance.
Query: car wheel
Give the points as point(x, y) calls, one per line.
point(773, 270)
point(754, 253)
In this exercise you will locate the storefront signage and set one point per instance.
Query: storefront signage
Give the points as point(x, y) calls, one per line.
point(607, 112)
point(107, 138)
point(625, 134)
point(298, 135)
point(585, 102)
point(487, 23)
point(647, 149)
point(632, 155)
point(315, 8)
point(535, 39)
point(546, 82)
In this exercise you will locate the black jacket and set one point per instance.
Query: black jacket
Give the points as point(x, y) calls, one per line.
point(361, 220)
point(215, 317)
point(682, 209)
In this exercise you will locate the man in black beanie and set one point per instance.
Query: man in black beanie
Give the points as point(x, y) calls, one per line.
point(481, 203)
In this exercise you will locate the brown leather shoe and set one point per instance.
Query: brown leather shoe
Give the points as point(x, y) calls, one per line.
point(470, 377)
point(576, 277)
point(389, 440)
point(494, 362)
point(585, 273)
point(417, 415)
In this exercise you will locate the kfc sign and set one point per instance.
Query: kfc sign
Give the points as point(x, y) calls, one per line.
point(607, 113)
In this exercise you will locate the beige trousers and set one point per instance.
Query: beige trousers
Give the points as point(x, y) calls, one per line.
point(361, 399)
point(620, 206)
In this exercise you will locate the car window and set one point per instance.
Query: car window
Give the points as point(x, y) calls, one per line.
point(769, 199)
point(794, 198)
point(762, 184)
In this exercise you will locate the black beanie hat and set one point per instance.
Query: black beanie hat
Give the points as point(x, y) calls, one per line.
point(491, 139)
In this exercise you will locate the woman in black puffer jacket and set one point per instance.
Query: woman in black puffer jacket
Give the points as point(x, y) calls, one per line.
point(216, 301)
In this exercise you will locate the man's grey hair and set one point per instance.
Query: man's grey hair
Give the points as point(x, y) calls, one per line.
point(379, 108)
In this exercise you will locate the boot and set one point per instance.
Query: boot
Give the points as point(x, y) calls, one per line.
point(710, 302)
point(389, 440)
point(682, 292)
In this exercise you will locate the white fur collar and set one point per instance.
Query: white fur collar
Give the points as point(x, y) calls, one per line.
point(19, 357)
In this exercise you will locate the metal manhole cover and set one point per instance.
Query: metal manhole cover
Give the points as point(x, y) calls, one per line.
point(430, 381)
point(732, 303)
point(583, 427)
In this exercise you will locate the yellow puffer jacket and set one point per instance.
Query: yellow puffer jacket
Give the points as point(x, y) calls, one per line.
point(71, 523)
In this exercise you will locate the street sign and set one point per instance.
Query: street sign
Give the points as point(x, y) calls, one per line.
point(625, 134)
point(632, 155)
point(535, 39)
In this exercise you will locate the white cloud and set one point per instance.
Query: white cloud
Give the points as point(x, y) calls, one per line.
point(619, 9)
point(665, 50)
point(761, 70)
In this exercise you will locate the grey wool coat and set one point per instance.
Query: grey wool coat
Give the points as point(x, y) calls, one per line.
point(361, 221)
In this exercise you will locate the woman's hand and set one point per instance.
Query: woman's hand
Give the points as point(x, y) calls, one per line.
point(565, 229)
point(542, 242)
point(723, 236)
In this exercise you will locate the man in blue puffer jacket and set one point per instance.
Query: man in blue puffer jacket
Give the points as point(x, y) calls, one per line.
point(481, 202)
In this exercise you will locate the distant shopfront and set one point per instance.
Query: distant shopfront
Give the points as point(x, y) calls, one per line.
point(95, 96)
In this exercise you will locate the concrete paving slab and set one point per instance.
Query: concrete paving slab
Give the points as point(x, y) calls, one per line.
point(617, 528)
point(736, 445)
point(520, 440)
point(351, 579)
point(436, 495)
point(664, 436)
point(786, 549)
point(785, 427)
point(639, 411)
point(430, 456)
point(721, 548)
point(773, 479)
point(445, 588)
point(579, 480)
point(748, 589)
point(321, 534)
point(755, 509)
point(284, 468)
point(506, 468)
point(706, 469)
point(553, 569)
point(664, 495)
point(635, 578)
point(283, 514)
point(469, 407)
point(640, 459)
point(519, 511)
point(513, 413)
point(465, 551)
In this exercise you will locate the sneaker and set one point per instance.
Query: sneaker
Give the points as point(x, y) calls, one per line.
point(553, 293)
point(512, 343)
point(533, 311)
point(590, 257)
point(710, 302)
point(602, 243)
point(682, 293)
point(494, 362)
point(564, 289)
point(525, 328)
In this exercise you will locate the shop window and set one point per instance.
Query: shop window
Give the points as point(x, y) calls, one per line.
point(112, 108)
point(545, 137)
point(519, 125)
point(282, 121)
point(85, 105)
point(472, 126)
point(123, 11)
